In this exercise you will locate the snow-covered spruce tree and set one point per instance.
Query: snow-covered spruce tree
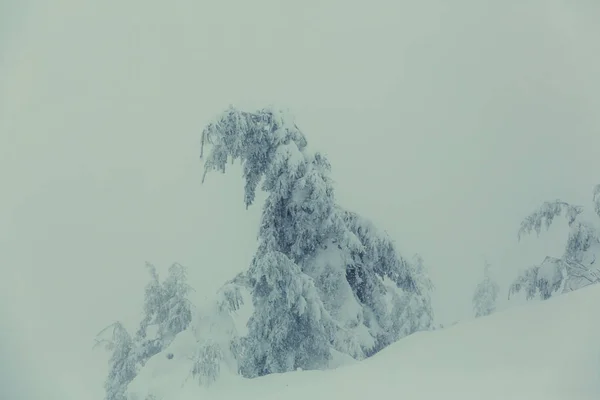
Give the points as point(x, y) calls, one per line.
point(577, 266)
point(486, 294)
point(166, 313)
point(122, 363)
point(412, 313)
point(166, 310)
point(207, 363)
point(153, 301)
point(176, 314)
point(321, 275)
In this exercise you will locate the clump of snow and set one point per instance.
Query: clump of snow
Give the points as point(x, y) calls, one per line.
point(546, 350)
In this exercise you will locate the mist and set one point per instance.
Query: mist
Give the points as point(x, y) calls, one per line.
point(445, 123)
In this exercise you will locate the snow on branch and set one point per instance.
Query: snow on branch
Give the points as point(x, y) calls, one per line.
point(546, 214)
point(256, 139)
point(111, 335)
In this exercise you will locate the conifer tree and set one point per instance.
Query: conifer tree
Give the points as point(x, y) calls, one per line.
point(207, 363)
point(122, 363)
point(176, 311)
point(166, 309)
point(412, 313)
point(486, 294)
point(318, 276)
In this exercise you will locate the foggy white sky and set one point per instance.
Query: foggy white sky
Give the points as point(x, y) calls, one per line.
point(445, 123)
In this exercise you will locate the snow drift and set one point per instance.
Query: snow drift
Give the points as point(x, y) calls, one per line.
point(543, 350)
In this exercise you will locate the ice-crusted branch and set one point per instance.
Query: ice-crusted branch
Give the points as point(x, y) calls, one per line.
point(546, 214)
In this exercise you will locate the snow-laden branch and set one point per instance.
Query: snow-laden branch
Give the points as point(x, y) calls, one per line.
point(546, 214)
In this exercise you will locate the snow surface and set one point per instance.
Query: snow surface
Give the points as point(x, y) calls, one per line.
point(544, 350)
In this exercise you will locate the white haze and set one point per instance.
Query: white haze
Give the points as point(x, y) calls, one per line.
point(445, 123)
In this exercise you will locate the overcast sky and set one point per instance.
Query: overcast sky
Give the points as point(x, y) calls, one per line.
point(445, 123)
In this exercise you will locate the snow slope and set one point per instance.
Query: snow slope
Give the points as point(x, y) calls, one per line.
point(545, 350)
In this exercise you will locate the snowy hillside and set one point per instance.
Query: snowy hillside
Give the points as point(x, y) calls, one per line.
point(544, 350)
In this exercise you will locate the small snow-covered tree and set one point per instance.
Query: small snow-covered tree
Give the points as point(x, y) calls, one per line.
point(166, 310)
point(319, 269)
point(412, 311)
point(176, 313)
point(122, 363)
point(486, 294)
point(577, 266)
point(153, 302)
point(207, 363)
point(166, 313)
point(423, 287)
